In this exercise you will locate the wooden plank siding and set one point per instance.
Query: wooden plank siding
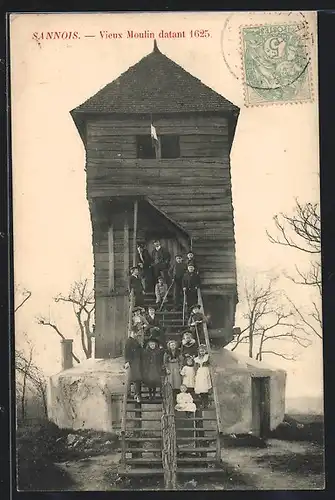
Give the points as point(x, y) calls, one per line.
point(193, 191)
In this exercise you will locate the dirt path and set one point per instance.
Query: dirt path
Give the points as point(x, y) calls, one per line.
point(93, 473)
point(283, 465)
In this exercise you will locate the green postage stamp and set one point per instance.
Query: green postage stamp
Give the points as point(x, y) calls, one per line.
point(276, 64)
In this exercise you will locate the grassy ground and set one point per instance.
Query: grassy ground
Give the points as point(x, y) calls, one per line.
point(51, 459)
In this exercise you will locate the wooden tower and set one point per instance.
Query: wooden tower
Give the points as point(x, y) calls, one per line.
point(182, 194)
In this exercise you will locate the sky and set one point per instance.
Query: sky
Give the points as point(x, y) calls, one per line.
point(274, 159)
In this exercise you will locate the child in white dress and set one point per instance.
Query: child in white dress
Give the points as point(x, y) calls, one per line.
point(188, 374)
point(203, 381)
point(185, 401)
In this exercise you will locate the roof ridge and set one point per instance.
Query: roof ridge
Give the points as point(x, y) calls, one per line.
point(158, 83)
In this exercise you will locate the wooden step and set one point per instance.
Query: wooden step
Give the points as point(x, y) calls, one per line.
point(169, 314)
point(196, 450)
point(145, 401)
point(131, 419)
point(191, 460)
point(142, 410)
point(195, 429)
point(141, 472)
point(143, 438)
point(149, 460)
point(143, 450)
point(159, 472)
point(205, 438)
point(207, 419)
point(143, 429)
point(200, 470)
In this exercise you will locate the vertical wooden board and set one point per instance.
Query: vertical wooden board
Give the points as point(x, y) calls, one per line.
point(111, 280)
point(120, 327)
point(126, 263)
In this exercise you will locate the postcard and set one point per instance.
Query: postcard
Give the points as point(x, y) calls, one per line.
point(167, 251)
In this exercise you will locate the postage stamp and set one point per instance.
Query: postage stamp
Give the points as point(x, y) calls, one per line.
point(276, 64)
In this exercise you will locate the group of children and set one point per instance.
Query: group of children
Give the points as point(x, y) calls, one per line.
point(156, 273)
point(186, 366)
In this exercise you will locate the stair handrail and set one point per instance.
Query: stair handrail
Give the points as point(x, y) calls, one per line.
point(127, 381)
point(169, 444)
point(123, 416)
point(130, 311)
point(211, 369)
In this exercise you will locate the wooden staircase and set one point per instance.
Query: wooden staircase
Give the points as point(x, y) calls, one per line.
point(195, 440)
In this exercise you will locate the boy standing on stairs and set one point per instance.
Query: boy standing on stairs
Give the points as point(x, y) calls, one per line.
point(191, 283)
point(143, 259)
point(135, 285)
point(178, 270)
point(152, 366)
point(196, 321)
point(133, 361)
point(161, 261)
point(161, 289)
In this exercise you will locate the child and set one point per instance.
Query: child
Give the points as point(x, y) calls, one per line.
point(151, 317)
point(190, 259)
point(133, 361)
point(203, 381)
point(188, 346)
point(152, 366)
point(191, 283)
point(143, 260)
point(160, 261)
point(172, 363)
point(156, 334)
point(188, 374)
point(135, 285)
point(177, 272)
point(196, 321)
point(185, 401)
point(139, 322)
point(161, 289)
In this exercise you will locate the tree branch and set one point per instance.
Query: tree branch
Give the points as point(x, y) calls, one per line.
point(43, 321)
point(23, 301)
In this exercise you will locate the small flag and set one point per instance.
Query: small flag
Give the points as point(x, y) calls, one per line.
point(153, 133)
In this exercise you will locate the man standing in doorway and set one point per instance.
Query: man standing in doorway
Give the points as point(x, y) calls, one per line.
point(161, 261)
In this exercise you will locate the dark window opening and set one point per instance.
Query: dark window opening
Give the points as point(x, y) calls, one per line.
point(145, 147)
point(169, 146)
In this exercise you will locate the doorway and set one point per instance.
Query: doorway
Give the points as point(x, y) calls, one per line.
point(260, 394)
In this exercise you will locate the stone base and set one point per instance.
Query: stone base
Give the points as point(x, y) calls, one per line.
point(89, 396)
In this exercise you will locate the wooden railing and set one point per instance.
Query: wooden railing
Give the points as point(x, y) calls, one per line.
point(169, 445)
point(127, 382)
point(211, 368)
point(123, 418)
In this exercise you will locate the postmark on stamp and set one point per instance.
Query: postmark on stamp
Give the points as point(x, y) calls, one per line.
point(276, 64)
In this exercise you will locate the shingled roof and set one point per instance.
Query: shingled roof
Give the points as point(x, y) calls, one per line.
point(155, 84)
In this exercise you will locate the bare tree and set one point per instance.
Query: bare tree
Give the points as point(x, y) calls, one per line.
point(269, 321)
point(29, 376)
point(302, 231)
point(23, 366)
point(81, 298)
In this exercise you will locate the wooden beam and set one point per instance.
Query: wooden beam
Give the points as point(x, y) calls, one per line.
point(135, 232)
point(111, 258)
point(126, 247)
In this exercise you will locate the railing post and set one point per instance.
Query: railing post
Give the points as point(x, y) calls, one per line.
point(67, 361)
point(123, 419)
point(169, 448)
point(212, 372)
